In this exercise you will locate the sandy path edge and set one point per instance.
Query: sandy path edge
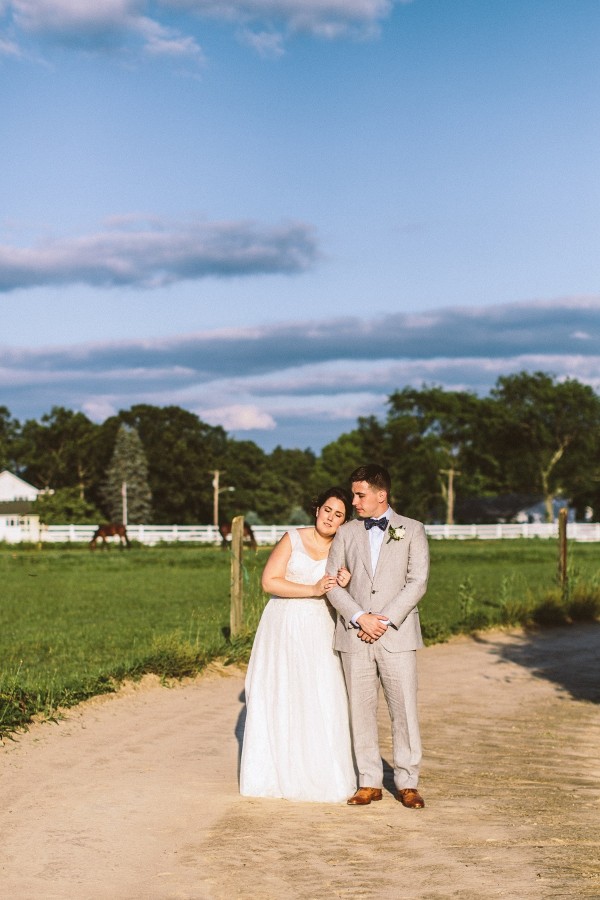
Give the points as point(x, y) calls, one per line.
point(135, 796)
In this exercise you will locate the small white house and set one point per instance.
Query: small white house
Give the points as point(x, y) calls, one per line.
point(18, 521)
point(14, 488)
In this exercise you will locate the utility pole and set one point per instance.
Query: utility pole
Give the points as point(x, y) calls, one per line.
point(124, 496)
point(215, 484)
point(449, 493)
point(216, 491)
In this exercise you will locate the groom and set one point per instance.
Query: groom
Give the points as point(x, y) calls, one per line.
point(378, 631)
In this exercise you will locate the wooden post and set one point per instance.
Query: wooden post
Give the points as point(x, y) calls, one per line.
point(562, 549)
point(237, 596)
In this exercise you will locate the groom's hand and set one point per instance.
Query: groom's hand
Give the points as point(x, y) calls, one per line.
point(364, 637)
point(372, 625)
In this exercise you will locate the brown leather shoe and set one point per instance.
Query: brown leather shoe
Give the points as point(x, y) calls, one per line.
point(411, 798)
point(364, 795)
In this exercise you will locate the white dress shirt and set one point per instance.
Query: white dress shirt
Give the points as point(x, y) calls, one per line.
point(376, 536)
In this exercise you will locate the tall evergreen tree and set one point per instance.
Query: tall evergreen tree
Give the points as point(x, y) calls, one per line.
point(182, 453)
point(128, 467)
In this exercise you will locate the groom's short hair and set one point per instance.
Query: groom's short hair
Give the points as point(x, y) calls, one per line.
point(376, 477)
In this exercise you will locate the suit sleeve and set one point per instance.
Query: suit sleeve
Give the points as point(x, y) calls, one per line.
point(415, 586)
point(339, 597)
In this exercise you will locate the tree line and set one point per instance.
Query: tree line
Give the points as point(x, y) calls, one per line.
point(532, 435)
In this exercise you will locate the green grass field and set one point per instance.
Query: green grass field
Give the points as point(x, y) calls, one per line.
point(75, 623)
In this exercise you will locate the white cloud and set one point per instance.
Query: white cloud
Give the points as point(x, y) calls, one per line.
point(324, 18)
point(283, 380)
point(581, 336)
point(100, 25)
point(268, 44)
point(74, 15)
point(9, 48)
point(161, 41)
point(238, 417)
point(149, 256)
point(98, 409)
point(115, 25)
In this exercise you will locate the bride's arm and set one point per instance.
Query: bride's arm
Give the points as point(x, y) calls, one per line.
point(275, 582)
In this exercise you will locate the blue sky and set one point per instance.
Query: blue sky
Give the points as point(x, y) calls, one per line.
point(276, 212)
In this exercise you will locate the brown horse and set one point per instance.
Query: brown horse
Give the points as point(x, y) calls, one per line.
point(225, 532)
point(113, 529)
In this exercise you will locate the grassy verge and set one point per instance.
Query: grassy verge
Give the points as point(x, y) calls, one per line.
point(74, 624)
point(483, 584)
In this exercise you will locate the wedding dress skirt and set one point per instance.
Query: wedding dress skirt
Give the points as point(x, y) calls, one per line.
point(297, 734)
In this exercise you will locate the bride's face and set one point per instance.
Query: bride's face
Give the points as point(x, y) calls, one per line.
point(330, 516)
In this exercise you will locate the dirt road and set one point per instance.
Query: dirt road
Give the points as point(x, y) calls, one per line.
point(134, 797)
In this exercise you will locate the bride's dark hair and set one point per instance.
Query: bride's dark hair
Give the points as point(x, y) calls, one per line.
point(340, 494)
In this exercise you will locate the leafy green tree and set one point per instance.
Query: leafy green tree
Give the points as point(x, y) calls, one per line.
point(128, 472)
point(337, 460)
point(182, 452)
point(65, 507)
point(294, 470)
point(58, 450)
point(429, 445)
point(267, 488)
point(258, 487)
point(532, 434)
point(9, 435)
point(299, 517)
point(546, 435)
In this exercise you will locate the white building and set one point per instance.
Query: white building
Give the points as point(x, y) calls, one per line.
point(18, 521)
point(14, 488)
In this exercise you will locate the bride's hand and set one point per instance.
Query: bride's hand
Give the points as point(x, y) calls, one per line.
point(324, 584)
point(343, 576)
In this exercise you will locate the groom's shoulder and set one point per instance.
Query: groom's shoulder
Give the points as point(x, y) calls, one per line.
point(397, 519)
point(348, 527)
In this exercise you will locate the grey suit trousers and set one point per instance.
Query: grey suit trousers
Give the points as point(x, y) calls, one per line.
point(398, 675)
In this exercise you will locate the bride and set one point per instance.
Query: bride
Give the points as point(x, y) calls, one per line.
point(297, 734)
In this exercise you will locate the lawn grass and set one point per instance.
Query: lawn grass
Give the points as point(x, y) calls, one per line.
point(74, 623)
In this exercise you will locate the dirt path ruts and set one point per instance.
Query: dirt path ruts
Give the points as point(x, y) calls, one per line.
point(135, 796)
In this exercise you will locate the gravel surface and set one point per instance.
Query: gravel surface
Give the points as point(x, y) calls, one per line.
point(135, 796)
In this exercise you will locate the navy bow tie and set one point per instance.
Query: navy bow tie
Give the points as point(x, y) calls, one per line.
point(380, 523)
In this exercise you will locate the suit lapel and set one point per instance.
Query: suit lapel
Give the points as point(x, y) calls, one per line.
point(394, 521)
point(361, 537)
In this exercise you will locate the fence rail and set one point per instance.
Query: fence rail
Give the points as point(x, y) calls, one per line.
point(270, 534)
point(577, 531)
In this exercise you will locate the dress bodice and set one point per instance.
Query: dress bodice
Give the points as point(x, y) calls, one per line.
point(302, 568)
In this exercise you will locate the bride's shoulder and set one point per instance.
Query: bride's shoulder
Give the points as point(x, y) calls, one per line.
point(293, 536)
point(301, 535)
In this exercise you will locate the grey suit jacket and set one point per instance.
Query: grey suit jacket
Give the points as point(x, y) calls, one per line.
point(394, 589)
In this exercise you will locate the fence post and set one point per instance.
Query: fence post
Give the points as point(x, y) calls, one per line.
point(562, 549)
point(237, 549)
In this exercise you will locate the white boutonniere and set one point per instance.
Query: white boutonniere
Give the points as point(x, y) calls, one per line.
point(396, 534)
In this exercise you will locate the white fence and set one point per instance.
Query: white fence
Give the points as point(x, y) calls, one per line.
point(270, 534)
point(576, 531)
point(156, 534)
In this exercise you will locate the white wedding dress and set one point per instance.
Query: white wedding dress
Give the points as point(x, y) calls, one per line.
point(297, 734)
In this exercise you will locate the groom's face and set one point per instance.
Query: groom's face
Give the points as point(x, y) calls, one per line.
point(368, 501)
